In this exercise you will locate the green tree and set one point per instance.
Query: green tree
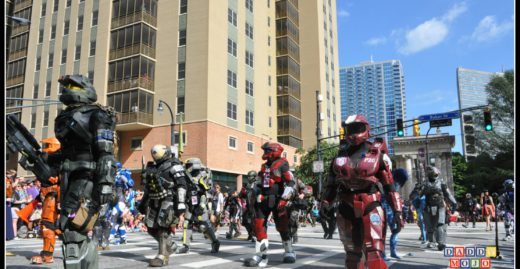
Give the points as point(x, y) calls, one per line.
point(459, 168)
point(501, 101)
point(304, 170)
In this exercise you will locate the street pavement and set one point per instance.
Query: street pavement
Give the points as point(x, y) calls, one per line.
point(312, 250)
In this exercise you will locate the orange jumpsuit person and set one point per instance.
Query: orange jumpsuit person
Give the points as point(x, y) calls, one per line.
point(51, 194)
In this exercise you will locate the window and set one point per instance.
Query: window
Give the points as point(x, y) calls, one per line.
point(295, 159)
point(249, 117)
point(56, 5)
point(184, 139)
point(232, 17)
point(182, 38)
point(135, 143)
point(38, 63)
point(53, 32)
point(92, 48)
point(270, 122)
point(40, 36)
point(94, 18)
point(231, 78)
point(268, 21)
point(181, 73)
point(250, 147)
point(249, 30)
point(77, 53)
point(66, 28)
point(249, 58)
point(269, 60)
point(69, 2)
point(232, 47)
point(269, 41)
point(33, 120)
point(80, 23)
point(184, 7)
point(91, 76)
point(45, 118)
point(232, 142)
point(269, 100)
point(232, 111)
point(48, 89)
point(249, 88)
point(269, 80)
point(51, 59)
point(180, 104)
point(35, 91)
point(63, 56)
point(44, 7)
point(249, 5)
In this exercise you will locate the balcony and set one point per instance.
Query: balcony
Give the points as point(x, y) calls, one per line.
point(131, 50)
point(19, 29)
point(131, 121)
point(17, 54)
point(135, 17)
point(22, 5)
point(14, 81)
point(140, 82)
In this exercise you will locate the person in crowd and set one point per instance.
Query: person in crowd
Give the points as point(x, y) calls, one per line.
point(10, 228)
point(469, 208)
point(400, 178)
point(297, 204)
point(234, 208)
point(218, 207)
point(419, 203)
point(488, 208)
point(506, 206)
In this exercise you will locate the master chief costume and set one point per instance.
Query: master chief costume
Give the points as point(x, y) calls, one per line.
point(164, 199)
point(197, 206)
point(436, 192)
point(86, 133)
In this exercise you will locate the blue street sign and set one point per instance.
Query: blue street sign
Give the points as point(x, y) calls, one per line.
point(440, 116)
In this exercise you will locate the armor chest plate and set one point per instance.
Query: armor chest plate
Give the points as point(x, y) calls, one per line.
point(357, 171)
point(271, 174)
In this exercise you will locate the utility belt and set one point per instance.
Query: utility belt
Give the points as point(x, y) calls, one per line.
point(70, 166)
point(160, 195)
point(370, 190)
point(360, 204)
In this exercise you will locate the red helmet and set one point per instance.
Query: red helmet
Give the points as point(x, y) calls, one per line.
point(356, 129)
point(271, 151)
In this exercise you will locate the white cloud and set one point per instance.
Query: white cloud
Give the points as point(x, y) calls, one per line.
point(488, 29)
point(431, 32)
point(376, 41)
point(343, 13)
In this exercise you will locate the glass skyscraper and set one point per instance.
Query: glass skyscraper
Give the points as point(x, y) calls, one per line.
point(375, 90)
point(471, 88)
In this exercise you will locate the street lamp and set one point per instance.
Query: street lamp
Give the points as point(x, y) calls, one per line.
point(21, 21)
point(160, 109)
point(319, 98)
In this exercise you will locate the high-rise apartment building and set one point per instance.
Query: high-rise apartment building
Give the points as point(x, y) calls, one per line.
point(216, 64)
point(471, 88)
point(375, 90)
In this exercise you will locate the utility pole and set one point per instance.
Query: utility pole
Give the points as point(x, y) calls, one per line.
point(318, 134)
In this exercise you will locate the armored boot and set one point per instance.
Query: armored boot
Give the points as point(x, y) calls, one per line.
point(186, 238)
point(163, 256)
point(260, 258)
point(289, 256)
point(49, 241)
point(393, 247)
point(208, 231)
point(79, 251)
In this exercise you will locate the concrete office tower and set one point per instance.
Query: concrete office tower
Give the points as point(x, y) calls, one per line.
point(214, 63)
point(471, 88)
point(376, 90)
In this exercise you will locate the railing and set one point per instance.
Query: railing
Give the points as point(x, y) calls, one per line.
point(131, 50)
point(14, 81)
point(140, 82)
point(134, 117)
point(19, 29)
point(17, 54)
point(22, 5)
point(134, 17)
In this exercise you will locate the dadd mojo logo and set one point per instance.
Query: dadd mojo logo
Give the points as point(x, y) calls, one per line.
point(470, 257)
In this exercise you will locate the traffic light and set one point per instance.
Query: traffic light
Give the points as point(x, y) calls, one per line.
point(400, 131)
point(416, 128)
point(341, 133)
point(488, 124)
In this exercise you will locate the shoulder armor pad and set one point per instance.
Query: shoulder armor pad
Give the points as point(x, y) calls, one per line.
point(176, 168)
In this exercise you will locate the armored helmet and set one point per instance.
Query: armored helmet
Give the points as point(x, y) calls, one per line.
point(509, 185)
point(119, 165)
point(432, 172)
point(160, 153)
point(271, 151)
point(50, 145)
point(193, 164)
point(468, 195)
point(251, 176)
point(356, 129)
point(77, 89)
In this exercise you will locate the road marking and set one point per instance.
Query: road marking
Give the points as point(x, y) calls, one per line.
point(213, 262)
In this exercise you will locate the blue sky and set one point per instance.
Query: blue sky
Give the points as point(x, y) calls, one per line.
point(431, 39)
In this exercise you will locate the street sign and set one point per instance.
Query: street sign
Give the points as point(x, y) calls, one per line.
point(440, 116)
point(440, 123)
point(317, 166)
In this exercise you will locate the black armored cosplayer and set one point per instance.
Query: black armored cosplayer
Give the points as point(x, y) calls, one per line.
point(85, 130)
point(164, 200)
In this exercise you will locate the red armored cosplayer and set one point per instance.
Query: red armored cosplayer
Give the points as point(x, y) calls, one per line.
point(273, 190)
point(357, 177)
